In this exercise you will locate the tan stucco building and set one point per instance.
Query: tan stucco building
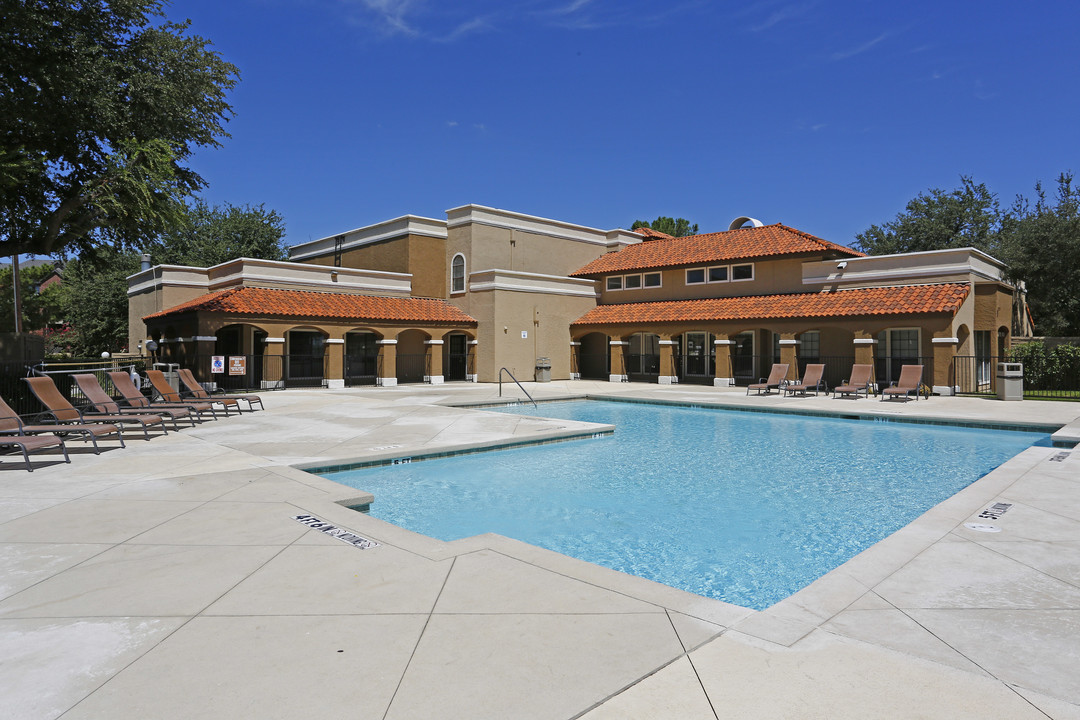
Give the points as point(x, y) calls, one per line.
point(419, 299)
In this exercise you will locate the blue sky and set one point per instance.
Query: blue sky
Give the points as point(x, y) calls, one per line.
point(827, 116)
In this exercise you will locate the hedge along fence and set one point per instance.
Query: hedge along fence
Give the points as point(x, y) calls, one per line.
point(1055, 371)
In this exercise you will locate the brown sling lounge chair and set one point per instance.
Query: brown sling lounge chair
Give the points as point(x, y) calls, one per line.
point(26, 443)
point(12, 424)
point(165, 390)
point(811, 380)
point(859, 382)
point(910, 382)
point(133, 397)
point(16, 438)
point(64, 412)
point(776, 376)
point(102, 403)
point(198, 392)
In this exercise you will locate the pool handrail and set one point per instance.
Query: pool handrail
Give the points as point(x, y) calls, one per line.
point(501, 371)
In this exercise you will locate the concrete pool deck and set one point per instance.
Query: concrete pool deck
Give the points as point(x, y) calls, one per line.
point(170, 580)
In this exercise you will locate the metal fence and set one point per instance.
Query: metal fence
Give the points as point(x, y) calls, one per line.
point(837, 368)
point(14, 391)
point(887, 370)
point(1044, 378)
point(973, 375)
point(361, 369)
point(412, 367)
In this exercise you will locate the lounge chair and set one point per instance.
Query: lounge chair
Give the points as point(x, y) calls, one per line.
point(12, 424)
point(859, 382)
point(811, 380)
point(64, 412)
point(197, 391)
point(910, 382)
point(26, 443)
point(134, 398)
point(167, 394)
point(776, 377)
point(102, 403)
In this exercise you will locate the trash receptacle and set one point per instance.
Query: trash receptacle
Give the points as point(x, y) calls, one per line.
point(543, 369)
point(171, 373)
point(1010, 381)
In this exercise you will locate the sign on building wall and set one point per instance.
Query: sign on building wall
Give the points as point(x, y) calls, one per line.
point(217, 364)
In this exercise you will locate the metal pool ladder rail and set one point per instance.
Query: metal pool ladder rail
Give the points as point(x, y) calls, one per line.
point(504, 370)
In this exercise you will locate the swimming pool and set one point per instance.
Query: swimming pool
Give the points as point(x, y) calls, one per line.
point(739, 506)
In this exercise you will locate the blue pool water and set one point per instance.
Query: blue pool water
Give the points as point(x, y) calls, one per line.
point(742, 507)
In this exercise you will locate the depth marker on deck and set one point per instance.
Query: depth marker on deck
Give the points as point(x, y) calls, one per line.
point(333, 531)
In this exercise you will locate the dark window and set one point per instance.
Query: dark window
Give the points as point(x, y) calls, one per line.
point(742, 272)
point(695, 276)
point(457, 274)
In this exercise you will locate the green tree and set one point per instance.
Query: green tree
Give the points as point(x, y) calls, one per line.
point(96, 305)
point(968, 216)
point(96, 283)
point(676, 227)
point(101, 104)
point(1041, 244)
point(212, 235)
point(40, 307)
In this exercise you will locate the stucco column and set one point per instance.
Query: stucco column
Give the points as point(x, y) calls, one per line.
point(387, 363)
point(434, 357)
point(864, 353)
point(575, 361)
point(273, 361)
point(668, 375)
point(335, 363)
point(724, 377)
point(942, 381)
point(789, 354)
point(470, 361)
point(618, 361)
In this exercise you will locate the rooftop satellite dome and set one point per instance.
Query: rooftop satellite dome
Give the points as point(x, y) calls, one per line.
point(743, 221)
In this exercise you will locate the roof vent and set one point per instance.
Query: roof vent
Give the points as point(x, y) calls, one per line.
point(742, 222)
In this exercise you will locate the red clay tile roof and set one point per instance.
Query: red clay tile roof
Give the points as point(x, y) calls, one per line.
point(738, 244)
point(900, 300)
point(306, 304)
point(650, 234)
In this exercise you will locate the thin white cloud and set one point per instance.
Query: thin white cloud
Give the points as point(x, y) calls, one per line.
point(844, 55)
point(783, 14)
point(477, 24)
point(570, 9)
point(451, 123)
point(393, 14)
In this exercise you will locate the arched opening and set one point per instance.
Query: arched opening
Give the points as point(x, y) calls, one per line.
point(361, 357)
point(240, 348)
point(305, 358)
point(593, 358)
point(412, 363)
point(643, 357)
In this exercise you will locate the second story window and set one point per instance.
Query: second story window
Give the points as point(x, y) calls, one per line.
point(457, 274)
point(651, 280)
point(742, 272)
point(632, 282)
point(695, 276)
point(614, 282)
